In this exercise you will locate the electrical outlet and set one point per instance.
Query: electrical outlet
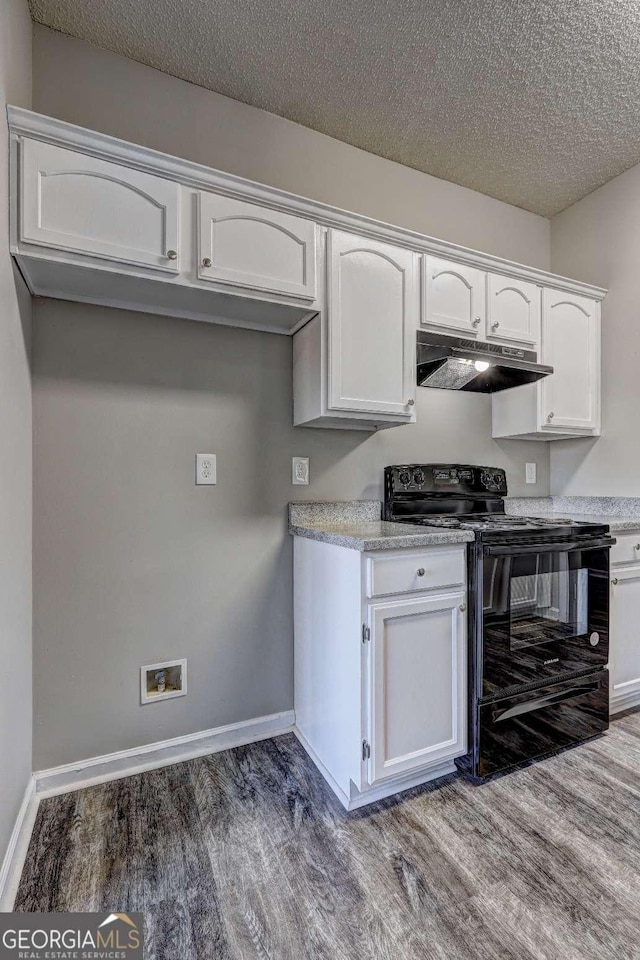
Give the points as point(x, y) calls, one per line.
point(530, 472)
point(300, 470)
point(205, 469)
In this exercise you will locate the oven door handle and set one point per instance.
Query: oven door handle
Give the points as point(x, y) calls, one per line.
point(548, 700)
point(516, 550)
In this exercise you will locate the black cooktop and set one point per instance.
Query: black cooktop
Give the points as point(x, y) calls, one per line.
point(466, 497)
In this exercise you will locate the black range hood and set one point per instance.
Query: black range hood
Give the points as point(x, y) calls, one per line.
point(453, 363)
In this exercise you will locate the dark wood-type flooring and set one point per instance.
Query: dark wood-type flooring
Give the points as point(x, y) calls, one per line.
point(246, 854)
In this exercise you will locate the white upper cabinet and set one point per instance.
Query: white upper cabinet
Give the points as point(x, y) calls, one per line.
point(566, 403)
point(570, 399)
point(262, 250)
point(373, 309)
point(453, 297)
point(82, 205)
point(513, 311)
point(417, 684)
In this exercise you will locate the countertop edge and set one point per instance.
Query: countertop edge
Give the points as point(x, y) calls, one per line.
point(363, 543)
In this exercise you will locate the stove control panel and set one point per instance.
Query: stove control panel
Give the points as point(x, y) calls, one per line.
point(445, 478)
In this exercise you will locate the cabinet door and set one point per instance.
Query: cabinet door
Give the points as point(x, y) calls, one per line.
point(513, 310)
point(373, 309)
point(417, 678)
point(83, 205)
point(624, 633)
point(453, 297)
point(245, 245)
point(570, 397)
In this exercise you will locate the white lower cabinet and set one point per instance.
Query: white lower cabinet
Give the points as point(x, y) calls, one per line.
point(417, 684)
point(624, 636)
point(380, 684)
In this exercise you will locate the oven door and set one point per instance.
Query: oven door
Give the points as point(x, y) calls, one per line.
point(545, 612)
point(526, 726)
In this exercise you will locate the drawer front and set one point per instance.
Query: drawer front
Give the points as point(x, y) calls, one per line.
point(627, 547)
point(416, 571)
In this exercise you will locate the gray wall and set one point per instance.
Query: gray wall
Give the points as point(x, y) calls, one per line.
point(133, 563)
point(15, 452)
point(598, 240)
point(95, 88)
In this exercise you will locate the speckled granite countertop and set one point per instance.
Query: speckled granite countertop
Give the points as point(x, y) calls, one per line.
point(357, 524)
point(619, 513)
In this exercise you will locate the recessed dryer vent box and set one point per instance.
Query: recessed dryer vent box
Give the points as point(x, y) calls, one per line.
point(162, 681)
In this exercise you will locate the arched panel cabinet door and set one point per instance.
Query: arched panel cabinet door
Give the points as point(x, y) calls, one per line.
point(513, 311)
point(453, 297)
point(570, 397)
point(624, 636)
point(373, 307)
point(246, 245)
point(417, 684)
point(78, 204)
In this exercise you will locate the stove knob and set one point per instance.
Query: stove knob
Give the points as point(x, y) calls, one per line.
point(418, 477)
point(404, 477)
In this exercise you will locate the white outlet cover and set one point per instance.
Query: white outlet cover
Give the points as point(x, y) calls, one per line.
point(530, 472)
point(206, 469)
point(300, 470)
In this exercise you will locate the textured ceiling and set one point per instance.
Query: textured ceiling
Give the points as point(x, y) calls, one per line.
point(536, 102)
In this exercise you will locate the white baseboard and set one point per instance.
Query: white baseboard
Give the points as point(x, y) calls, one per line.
point(125, 763)
point(14, 858)
point(382, 790)
point(624, 702)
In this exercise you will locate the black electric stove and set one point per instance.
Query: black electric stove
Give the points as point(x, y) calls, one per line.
point(538, 621)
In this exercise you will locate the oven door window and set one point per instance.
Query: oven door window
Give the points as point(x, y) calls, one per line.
point(544, 613)
point(548, 599)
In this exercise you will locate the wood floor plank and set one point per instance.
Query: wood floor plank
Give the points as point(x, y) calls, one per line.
point(247, 855)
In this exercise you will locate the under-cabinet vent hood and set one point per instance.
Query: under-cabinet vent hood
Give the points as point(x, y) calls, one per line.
point(452, 363)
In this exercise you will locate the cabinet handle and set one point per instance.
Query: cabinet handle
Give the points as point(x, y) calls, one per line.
point(462, 607)
point(476, 321)
point(172, 255)
point(410, 402)
point(495, 325)
point(206, 262)
point(550, 416)
point(637, 546)
point(614, 581)
point(421, 571)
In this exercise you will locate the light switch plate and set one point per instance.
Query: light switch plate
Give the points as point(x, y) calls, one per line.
point(206, 469)
point(300, 470)
point(530, 472)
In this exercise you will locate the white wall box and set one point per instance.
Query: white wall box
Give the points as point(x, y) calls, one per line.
point(249, 246)
point(453, 297)
point(567, 403)
point(99, 220)
point(624, 635)
point(163, 681)
point(380, 685)
point(513, 311)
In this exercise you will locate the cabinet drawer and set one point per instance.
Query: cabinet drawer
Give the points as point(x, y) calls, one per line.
point(413, 572)
point(627, 547)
